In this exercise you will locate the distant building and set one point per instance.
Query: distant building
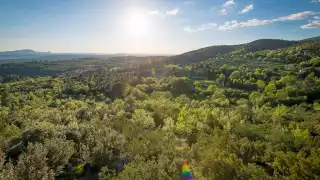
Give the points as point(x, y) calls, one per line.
point(116, 69)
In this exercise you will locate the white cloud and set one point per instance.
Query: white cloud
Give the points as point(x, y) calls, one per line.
point(247, 8)
point(203, 27)
point(229, 25)
point(187, 2)
point(312, 25)
point(234, 21)
point(297, 16)
point(229, 3)
point(235, 24)
point(316, 17)
point(207, 26)
point(173, 11)
point(153, 12)
point(188, 29)
point(315, 1)
point(257, 22)
point(223, 12)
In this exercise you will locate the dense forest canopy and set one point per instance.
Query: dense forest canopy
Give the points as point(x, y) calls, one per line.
point(251, 112)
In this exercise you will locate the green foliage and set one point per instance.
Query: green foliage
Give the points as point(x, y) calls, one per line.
point(316, 106)
point(143, 119)
point(173, 68)
point(79, 169)
point(181, 85)
point(59, 153)
point(260, 84)
point(8, 131)
point(31, 165)
point(144, 170)
point(247, 114)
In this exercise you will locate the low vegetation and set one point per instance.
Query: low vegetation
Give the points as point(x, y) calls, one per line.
point(245, 114)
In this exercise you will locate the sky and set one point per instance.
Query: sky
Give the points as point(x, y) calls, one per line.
point(151, 26)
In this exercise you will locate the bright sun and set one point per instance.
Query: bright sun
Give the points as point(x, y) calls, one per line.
point(137, 25)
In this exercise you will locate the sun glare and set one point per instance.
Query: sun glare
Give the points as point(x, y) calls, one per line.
point(137, 24)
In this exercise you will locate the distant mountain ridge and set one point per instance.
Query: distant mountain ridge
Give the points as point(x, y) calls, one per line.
point(188, 57)
point(311, 39)
point(22, 51)
point(22, 54)
point(25, 55)
point(212, 51)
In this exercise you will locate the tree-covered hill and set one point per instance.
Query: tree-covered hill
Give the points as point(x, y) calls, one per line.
point(313, 38)
point(257, 52)
point(302, 52)
point(212, 51)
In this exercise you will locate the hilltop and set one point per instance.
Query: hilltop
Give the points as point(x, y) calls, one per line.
point(212, 51)
point(22, 51)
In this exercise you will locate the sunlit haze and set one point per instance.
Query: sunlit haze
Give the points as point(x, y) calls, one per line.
point(150, 26)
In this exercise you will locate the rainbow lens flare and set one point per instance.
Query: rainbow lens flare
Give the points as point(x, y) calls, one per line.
point(186, 171)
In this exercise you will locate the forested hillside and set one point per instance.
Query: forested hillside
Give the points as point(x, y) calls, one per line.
point(208, 52)
point(244, 112)
point(254, 46)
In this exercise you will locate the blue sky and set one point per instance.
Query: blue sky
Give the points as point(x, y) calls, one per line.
point(151, 26)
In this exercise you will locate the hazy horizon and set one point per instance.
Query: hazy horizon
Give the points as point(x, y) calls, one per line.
point(150, 27)
point(107, 53)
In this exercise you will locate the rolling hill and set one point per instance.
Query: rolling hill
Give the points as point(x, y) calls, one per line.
point(22, 54)
point(212, 51)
